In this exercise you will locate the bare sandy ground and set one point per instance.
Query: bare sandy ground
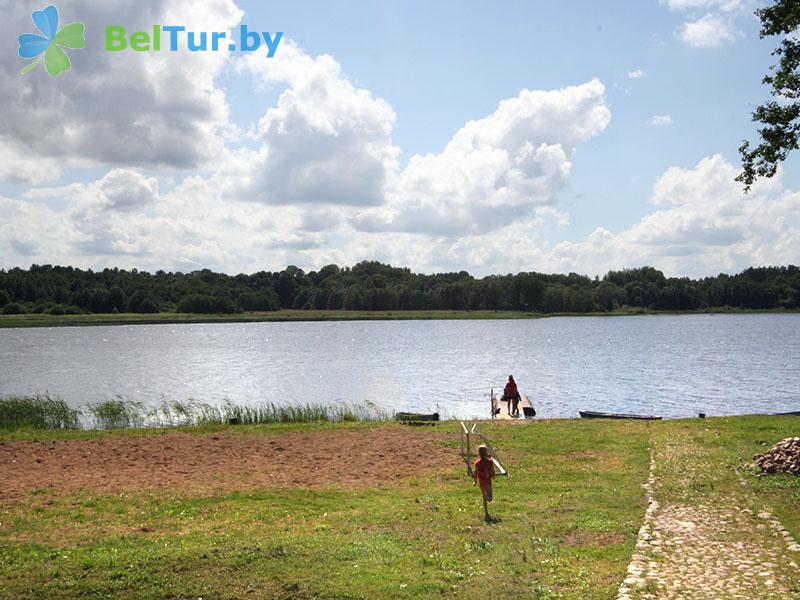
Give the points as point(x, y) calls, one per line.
point(223, 461)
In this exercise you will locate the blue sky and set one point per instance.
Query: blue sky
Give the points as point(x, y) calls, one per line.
point(446, 63)
point(335, 149)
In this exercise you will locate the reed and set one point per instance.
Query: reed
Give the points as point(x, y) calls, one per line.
point(117, 413)
point(37, 412)
point(43, 412)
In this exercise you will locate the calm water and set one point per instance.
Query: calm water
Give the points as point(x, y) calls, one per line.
point(670, 365)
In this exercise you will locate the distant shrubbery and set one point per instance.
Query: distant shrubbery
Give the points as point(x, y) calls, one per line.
point(14, 308)
point(376, 286)
point(202, 303)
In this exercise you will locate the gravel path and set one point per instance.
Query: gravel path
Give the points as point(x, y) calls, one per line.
point(699, 551)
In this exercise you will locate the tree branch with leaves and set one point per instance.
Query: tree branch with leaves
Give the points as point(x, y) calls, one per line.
point(780, 118)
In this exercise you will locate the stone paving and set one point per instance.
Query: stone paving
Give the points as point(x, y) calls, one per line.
point(698, 552)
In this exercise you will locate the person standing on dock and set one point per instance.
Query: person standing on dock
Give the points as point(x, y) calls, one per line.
point(511, 395)
point(483, 473)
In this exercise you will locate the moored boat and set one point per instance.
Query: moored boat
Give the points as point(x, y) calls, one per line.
point(591, 414)
point(409, 416)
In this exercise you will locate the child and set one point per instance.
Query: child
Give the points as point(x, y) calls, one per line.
point(483, 474)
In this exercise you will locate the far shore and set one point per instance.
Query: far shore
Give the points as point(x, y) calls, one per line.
point(44, 320)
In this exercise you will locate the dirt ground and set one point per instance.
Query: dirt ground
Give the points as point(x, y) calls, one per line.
point(223, 461)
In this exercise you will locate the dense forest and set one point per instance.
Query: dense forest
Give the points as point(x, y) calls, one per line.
point(376, 286)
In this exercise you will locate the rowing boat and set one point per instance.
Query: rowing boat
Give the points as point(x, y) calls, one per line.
point(408, 416)
point(591, 414)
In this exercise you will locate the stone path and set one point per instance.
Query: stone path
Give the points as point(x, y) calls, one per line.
point(699, 551)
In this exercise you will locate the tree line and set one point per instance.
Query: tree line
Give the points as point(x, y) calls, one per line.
point(372, 285)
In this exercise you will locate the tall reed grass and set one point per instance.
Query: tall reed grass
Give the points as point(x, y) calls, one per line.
point(117, 413)
point(39, 412)
point(43, 412)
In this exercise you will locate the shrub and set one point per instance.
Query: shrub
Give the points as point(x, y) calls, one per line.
point(41, 307)
point(266, 300)
point(14, 308)
point(201, 303)
point(57, 309)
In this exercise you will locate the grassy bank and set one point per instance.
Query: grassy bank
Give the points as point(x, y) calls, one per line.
point(569, 511)
point(44, 320)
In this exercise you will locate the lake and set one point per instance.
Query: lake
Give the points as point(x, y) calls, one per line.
point(675, 366)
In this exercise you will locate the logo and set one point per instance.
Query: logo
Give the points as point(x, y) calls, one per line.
point(32, 45)
point(178, 36)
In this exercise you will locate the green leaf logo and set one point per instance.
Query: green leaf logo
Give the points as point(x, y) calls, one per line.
point(51, 42)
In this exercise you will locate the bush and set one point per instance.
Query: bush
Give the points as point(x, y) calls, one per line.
point(57, 309)
point(266, 300)
point(41, 307)
point(72, 310)
point(14, 308)
point(201, 303)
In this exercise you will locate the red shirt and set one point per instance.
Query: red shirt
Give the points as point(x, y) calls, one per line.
point(484, 470)
point(511, 389)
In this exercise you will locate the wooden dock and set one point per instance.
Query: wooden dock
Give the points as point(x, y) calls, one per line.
point(500, 408)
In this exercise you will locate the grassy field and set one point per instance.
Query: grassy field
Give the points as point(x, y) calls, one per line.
point(43, 320)
point(569, 511)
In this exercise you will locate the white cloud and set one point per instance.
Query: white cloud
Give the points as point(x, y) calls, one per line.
point(637, 74)
point(714, 28)
point(17, 165)
point(495, 170)
point(323, 183)
point(329, 143)
point(707, 225)
point(721, 5)
point(658, 120)
point(129, 109)
point(325, 142)
point(709, 31)
point(701, 224)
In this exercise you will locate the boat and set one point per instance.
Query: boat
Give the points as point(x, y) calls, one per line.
point(591, 414)
point(409, 416)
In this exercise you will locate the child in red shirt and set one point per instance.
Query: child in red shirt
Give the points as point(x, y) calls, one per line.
point(483, 474)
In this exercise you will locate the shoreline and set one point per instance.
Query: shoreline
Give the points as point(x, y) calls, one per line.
point(289, 316)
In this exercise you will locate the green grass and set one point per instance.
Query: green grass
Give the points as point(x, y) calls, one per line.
point(714, 459)
point(45, 320)
point(569, 510)
point(43, 412)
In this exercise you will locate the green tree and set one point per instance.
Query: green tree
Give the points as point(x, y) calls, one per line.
point(780, 117)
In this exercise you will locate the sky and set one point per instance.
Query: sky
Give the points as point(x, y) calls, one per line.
point(440, 136)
